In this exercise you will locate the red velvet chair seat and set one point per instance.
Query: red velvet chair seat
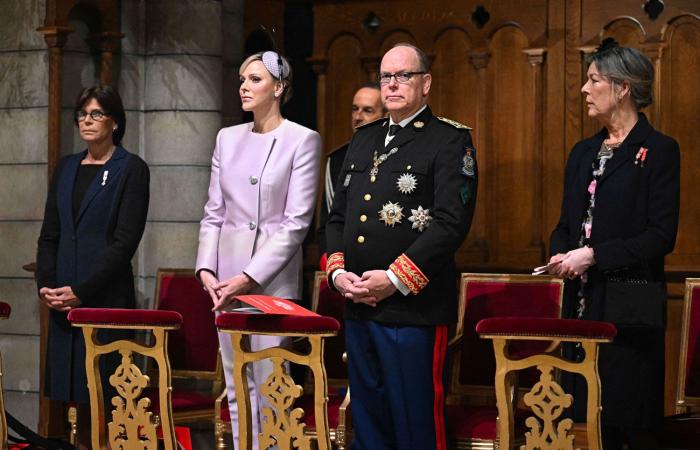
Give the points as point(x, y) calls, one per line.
point(335, 398)
point(546, 327)
point(479, 422)
point(5, 310)
point(182, 400)
point(271, 323)
point(125, 317)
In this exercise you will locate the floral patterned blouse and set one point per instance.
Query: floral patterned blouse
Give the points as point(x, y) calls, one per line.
point(604, 154)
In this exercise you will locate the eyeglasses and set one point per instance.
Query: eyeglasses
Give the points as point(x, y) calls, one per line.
point(401, 77)
point(95, 114)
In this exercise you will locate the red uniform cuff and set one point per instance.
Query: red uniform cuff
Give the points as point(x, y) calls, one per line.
point(409, 274)
point(335, 261)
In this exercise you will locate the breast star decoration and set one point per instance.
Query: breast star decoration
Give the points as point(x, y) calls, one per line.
point(407, 183)
point(391, 214)
point(420, 218)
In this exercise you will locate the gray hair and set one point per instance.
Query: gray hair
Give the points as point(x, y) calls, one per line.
point(423, 60)
point(285, 69)
point(621, 64)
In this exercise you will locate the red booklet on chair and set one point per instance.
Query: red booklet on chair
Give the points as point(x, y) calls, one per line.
point(266, 304)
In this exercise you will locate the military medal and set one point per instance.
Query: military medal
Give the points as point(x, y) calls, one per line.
point(391, 214)
point(377, 161)
point(420, 218)
point(104, 177)
point(468, 163)
point(407, 183)
point(346, 183)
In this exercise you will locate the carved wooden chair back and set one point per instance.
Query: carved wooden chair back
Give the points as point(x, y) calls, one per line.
point(471, 398)
point(133, 422)
point(283, 424)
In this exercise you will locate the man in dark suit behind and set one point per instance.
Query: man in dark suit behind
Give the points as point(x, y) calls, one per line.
point(366, 107)
point(402, 208)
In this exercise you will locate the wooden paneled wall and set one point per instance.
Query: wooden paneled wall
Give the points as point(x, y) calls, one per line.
point(516, 79)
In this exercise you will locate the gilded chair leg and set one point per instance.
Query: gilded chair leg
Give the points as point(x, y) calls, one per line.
point(73, 421)
point(219, 437)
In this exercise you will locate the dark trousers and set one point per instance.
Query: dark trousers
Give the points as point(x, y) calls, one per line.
point(397, 385)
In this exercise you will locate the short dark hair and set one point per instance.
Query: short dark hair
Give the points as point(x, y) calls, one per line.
point(109, 101)
point(621, 64)
point(371, 85)
point(423, 60)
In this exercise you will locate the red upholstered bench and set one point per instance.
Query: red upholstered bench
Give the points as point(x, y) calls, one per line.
point(546, 398)
point(5, 311)
point(286, 391)
point(132, 421)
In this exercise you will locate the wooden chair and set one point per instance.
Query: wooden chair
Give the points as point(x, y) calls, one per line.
point(546, 399)
point(283, 425)
point(327, 302)
point(471, 411)
point(5, 311)
point(194, 350)
point(133, 425)
point(683, 429)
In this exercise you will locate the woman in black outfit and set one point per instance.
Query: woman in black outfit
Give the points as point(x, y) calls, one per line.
point(619, 219)
point(94, 219)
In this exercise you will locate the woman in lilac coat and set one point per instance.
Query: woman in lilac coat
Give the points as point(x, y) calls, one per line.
point(264, 178)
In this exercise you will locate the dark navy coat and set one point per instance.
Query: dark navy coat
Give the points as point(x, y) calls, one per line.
point(91, 254)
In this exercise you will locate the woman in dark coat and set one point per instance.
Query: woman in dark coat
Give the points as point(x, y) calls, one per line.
point(94, 219)
point(619, 219)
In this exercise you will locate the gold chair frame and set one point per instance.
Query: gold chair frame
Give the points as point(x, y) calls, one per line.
point(483, 395)
point(216, 377)
point(339, 436)
point(136, 420)
point(546, 398)
point(686, 404)
point(282, 425)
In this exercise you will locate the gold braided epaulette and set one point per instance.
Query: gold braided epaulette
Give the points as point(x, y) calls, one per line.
point(454, 123)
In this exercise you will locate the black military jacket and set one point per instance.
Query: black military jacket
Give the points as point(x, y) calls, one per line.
point(432, 177)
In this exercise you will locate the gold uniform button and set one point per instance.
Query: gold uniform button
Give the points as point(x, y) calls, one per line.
point(360, 239)
point(368, 197)
point(408, 167)
point(363, 218)
point(352, 166)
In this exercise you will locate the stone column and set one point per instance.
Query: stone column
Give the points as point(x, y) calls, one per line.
point(171, 84)
point(24, 68)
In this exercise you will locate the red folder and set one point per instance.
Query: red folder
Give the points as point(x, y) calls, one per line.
point(267, 304)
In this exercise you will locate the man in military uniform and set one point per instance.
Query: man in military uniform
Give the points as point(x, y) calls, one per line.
point(366, 107)
point(402, 207)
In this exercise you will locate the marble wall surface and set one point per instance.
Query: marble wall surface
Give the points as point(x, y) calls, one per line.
point(177, 74)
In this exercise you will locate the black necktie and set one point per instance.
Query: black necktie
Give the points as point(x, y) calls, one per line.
point(393, 129)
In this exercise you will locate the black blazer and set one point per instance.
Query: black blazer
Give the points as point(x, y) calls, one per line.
point(432, 152)
point(91, 254)
point(636, 212)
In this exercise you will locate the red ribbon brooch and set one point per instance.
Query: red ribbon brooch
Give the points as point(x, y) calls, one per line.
point(641, 156)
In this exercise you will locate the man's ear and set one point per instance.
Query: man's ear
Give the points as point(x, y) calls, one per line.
point(427, 80)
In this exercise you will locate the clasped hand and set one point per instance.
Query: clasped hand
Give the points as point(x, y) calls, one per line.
point(222, 293)
point(572, 264)
point(373, 287)
point(61, 299)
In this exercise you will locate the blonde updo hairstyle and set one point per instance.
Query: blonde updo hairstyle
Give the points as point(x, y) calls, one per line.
point(278, 66)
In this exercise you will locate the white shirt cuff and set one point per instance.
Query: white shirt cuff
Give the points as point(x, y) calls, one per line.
point(398, 283)
point(335, 274)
